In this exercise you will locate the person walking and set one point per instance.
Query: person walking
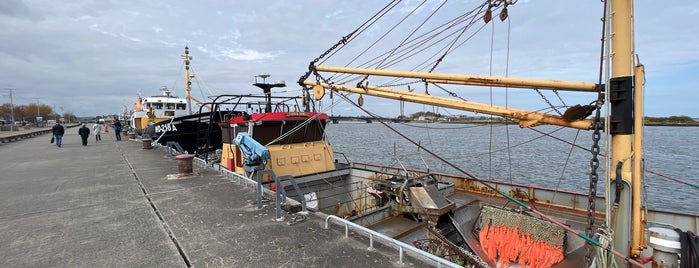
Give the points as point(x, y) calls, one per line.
point(84, 133)
point(58, 132)
point(97, 128)
point(117, 129)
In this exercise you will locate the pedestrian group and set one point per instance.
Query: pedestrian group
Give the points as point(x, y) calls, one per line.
point(58, 131)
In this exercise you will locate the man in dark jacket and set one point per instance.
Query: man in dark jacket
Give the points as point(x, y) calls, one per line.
point(84, 133)
point(58, 132)
point(117, 129)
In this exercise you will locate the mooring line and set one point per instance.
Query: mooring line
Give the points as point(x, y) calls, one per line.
point(164, 224)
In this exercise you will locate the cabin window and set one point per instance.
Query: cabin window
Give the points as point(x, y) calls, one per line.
point(157, 106)
point(169, 113)
point(181, 106)
point(170, 106)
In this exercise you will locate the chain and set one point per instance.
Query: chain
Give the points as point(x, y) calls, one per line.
point(559, 98)
point(311, 65)
point(594, 165)
point(547, 101)
point(594, 162)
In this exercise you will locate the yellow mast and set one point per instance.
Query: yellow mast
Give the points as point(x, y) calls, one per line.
point(188, 82)
point(626, 128)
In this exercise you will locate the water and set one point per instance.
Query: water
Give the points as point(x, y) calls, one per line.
point(532, 158)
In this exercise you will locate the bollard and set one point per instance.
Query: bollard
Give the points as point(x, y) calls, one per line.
point(666, 245)
point(184, 164)
point(146, 143)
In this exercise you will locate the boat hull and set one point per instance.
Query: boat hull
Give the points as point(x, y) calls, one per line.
point(190, 132)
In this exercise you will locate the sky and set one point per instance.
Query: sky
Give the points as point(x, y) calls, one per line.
point(95, 57)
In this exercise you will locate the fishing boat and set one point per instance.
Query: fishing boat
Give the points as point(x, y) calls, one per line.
point(171, 121)
point(157, 108)
point(465, 219)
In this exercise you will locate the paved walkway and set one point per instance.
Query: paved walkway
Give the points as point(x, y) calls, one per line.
point(109, 204)
point(25, 133)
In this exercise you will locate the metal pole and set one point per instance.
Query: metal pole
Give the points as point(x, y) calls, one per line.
point(37, 112)
point(12, 110)
point(258, 176)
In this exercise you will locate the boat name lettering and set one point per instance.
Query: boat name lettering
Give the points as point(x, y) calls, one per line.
point(165, 128)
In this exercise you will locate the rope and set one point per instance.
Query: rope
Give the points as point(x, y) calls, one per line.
point(297, 219)
point(604, 235)
point(672, 179)
point(689, 249)
point(603, 155)
point(411, 33)
point(490, 89)
point(507, 99)
point(563, 170)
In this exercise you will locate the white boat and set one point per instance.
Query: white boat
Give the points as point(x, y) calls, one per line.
point(153, 109)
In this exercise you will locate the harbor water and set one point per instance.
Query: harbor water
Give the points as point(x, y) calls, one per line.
point(545, 156)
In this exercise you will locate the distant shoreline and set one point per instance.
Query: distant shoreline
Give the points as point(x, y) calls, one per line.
point(502, 123)
point(671, 125)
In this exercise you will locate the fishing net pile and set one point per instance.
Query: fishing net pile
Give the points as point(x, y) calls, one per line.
point(510, 237)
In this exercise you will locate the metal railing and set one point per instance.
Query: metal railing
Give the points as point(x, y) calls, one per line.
point(363, 230)
point(233, 175)
point(391, 242)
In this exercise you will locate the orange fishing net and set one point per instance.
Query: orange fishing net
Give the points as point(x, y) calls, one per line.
point(511, 245)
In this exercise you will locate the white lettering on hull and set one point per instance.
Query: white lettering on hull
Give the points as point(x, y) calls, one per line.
point(165, 128)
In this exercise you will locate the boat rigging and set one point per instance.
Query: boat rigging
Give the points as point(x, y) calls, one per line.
point(626, 216)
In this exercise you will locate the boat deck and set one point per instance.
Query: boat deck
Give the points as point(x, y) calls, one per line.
point(110, 204)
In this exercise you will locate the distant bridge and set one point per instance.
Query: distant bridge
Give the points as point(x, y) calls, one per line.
point(336, 119)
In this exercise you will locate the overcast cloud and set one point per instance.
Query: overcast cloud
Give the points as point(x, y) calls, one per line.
point(95, 57)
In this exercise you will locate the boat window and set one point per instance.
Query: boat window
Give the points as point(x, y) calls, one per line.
point(181, 106)
point(170, 106)
point(157, 106)
point(169, 113)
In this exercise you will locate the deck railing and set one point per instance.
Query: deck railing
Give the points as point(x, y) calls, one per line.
point(391, 242)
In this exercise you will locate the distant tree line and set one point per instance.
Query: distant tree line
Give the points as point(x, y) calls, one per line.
point(682, 119)
point(29, 112)
point(424, 114)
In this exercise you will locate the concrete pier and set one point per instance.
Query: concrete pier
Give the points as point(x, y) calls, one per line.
point(109, 204)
